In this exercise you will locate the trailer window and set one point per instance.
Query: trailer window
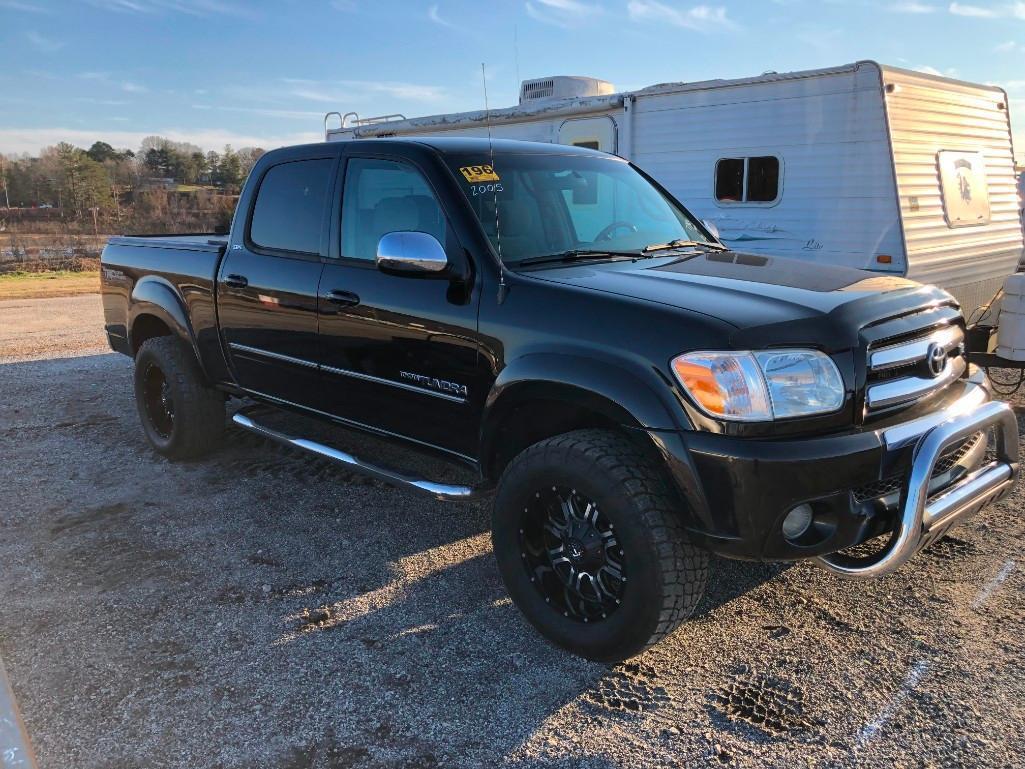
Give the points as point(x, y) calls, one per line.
point(729, 179)
point(747, 180)
point(289, 210)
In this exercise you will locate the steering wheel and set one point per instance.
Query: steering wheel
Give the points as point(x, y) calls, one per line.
point(606, 233)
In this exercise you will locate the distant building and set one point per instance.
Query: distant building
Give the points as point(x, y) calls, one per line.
point(157, 183)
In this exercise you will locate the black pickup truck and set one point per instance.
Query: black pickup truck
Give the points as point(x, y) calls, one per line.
point(634, 394)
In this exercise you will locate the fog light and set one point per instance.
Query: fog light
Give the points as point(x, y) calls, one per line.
point(797, 521)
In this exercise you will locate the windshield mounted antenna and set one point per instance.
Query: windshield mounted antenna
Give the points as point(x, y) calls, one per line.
point(502, 287)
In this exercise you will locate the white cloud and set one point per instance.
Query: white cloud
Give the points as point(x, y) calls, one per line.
point(561, 13)
point(105, 79)
point(102, 102)
point(1007, 47)
point(974, 11)
point(31, 140)
point(925, 69)
point(338, 92)
point(912, 6)
point(703, 18)
point(44, 44)
point(264, 111)
point(434, 15)
point(188, 7)
point(17, 5)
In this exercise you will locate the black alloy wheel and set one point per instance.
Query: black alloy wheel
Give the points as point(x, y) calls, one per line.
point(591, 544)
point(158, 400)
point(572, 555)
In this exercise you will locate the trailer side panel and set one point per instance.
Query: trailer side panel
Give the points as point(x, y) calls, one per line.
point(836, 202)
point(955, 177)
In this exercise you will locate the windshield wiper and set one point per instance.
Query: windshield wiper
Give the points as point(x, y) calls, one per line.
point(574, 255)
point(683, 244)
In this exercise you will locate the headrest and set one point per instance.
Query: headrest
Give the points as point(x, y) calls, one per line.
point(397, 213)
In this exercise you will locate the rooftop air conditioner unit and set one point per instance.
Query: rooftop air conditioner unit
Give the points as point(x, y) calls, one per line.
point(563, 87)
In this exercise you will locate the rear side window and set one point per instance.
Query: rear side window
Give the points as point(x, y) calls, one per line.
point(747, 180)
point(290, 205)
point(383, 196)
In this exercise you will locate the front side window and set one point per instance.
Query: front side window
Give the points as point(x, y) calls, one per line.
point(747, 180)
point(290, 206)
point(550, 203)
point(383, 196)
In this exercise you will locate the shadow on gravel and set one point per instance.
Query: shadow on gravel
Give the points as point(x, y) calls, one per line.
point(733, 579)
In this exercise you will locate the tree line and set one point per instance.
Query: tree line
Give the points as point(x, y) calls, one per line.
point(104, 179)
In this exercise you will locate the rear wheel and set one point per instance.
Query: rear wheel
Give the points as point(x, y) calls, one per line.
point(181, 416)
point(590, 543)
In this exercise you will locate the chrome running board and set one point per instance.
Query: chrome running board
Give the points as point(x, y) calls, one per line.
point(444, 492)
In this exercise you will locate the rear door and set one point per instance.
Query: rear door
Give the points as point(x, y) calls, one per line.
point(267, 284)
point(398, 353)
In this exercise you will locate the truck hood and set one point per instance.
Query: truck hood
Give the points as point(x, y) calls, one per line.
point(768, 300)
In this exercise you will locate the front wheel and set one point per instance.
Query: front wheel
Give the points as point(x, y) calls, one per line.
point(182, 417)
point(591, 546)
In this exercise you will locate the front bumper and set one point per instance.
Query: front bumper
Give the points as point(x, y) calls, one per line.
point(739, 491)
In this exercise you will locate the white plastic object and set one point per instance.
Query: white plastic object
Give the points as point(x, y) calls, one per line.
point(1011, 326)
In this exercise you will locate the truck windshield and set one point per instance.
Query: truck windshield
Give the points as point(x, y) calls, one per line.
point(551, 204)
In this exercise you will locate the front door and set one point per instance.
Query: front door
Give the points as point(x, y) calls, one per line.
point(398, 353)
point(267, 285)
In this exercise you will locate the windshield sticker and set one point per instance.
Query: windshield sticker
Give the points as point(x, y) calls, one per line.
point(482, 189)
point(476, 174)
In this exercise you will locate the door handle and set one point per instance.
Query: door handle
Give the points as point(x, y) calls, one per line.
point(343, 298)
point(236, 281)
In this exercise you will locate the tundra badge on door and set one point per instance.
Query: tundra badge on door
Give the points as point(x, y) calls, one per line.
point(433, 383)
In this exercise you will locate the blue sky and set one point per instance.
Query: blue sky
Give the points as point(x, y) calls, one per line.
point(263, 73)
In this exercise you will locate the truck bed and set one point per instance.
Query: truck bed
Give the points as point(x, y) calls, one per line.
point(141, 274)
point(187, 242)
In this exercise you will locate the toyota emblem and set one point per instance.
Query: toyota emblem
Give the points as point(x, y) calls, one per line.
point(936, 358)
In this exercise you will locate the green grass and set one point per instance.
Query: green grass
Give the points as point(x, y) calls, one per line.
point(52, 274)
point(33, 285)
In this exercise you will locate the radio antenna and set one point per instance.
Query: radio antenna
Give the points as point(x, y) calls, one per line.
point(502, 287)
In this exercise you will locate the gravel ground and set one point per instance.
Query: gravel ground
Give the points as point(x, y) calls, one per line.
point(58, 327)
point(257, 609)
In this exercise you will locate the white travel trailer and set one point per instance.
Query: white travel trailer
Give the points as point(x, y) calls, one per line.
point(862, 165)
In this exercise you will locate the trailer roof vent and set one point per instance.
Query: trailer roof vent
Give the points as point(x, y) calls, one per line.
point(563, 87)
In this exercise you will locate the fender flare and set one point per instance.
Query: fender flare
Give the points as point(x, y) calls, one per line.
point(610, 390)
point(155, 296)
point(602, 387)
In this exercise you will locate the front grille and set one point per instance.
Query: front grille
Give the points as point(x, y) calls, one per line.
point(893, 483)
point(914, 366)
point(878, 489)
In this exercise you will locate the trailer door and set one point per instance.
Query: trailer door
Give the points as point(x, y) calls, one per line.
point(596, 133)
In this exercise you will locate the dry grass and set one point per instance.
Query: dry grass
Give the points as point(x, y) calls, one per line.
point(24, 285)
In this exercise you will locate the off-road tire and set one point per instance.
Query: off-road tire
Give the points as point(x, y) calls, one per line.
point(197, 425)
point(666, 573)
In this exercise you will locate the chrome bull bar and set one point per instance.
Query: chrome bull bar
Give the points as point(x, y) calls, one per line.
point(923, 520)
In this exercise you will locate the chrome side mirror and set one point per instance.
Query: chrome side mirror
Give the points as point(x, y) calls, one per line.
point(411, 253)
point(710, 226)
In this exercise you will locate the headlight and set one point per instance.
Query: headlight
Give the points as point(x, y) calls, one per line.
point(761, 386)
